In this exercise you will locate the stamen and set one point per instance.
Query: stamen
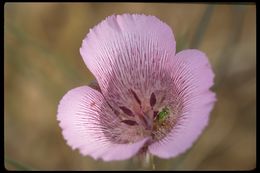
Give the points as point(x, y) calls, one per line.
point(152, 100)
point(130, 122)
point(155, 114)
point(126, 111)
point(146, 121)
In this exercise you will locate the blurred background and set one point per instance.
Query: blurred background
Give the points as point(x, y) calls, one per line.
point(42, 62)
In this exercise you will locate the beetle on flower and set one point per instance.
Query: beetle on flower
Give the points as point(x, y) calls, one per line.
point(148, 98)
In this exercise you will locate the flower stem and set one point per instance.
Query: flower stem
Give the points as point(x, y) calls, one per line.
point(146, 161)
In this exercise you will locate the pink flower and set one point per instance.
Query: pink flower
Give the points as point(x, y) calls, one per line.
point(150, 99)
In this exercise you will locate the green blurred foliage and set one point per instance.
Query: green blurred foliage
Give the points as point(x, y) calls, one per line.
point(42, 62)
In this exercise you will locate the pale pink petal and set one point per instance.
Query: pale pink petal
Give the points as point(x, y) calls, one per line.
point(85, 119)
point(128, 52)
point(192, 76)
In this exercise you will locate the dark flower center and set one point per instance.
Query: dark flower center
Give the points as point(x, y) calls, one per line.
point(152, 117)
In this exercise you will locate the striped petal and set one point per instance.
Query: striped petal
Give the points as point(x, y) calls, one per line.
point(192, 76)
point(88, 124)
point(128, 54)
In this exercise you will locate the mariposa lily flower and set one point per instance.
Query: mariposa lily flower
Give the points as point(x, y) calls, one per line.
point(148, 98)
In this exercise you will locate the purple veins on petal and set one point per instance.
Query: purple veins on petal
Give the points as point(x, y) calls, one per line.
point(114, 110)
point(136, 97)
point(126, 111)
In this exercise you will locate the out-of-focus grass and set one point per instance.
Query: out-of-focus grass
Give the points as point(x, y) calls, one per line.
point(16, 165)
point(42, 62)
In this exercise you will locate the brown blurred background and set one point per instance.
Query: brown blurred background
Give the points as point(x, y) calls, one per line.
point(42, 62)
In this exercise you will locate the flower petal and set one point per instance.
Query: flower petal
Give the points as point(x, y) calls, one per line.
point(192, 77)
point(128, 50)
point(85, 119)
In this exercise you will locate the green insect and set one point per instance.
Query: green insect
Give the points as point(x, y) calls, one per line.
point(161, 116)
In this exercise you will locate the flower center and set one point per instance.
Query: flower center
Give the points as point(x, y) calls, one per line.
point(151, 117)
